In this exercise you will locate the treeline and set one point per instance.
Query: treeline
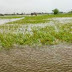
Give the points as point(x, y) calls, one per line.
point(23, 13)
point(13, 14)
point(55, 11)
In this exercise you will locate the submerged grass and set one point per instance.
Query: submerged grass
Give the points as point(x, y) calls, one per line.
point(41, 36)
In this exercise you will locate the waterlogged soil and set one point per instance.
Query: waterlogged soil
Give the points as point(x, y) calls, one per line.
point(56, 58)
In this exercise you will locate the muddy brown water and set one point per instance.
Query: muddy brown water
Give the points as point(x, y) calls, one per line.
point(56, 58)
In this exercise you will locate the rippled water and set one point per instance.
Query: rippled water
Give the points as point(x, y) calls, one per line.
point(56, 58)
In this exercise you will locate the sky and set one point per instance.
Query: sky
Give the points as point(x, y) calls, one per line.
point(28, 6)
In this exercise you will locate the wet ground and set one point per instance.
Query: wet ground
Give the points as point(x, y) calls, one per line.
point(56, 58)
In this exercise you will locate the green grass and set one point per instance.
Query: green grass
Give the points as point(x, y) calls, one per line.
point(38, 19)
point(41, 36)
point(31, 19)
point(8, 27)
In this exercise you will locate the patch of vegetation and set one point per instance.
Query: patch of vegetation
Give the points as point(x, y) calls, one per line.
point(31, 19)
point(38, 19)
point(40, 36)
point(55, 11)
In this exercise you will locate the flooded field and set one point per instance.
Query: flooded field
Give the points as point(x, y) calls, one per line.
point(56, 58)
point(3, 21)
point(27, 28)
point(28, 45)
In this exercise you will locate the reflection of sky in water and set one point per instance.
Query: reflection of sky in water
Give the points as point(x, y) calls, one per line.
point(27, 28)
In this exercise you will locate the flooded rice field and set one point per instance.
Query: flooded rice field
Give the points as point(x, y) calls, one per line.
point(27, 28)
point(55, 58)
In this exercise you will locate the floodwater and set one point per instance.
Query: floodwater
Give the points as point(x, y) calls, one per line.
point(27, 28)
point(3, 21)
point(63, 20)
point(56, 58)
point(53, 22)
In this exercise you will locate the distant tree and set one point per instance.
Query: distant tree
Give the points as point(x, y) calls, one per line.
point(17, 13)
point(55, 11)
point(70, 11)
point(1, 14)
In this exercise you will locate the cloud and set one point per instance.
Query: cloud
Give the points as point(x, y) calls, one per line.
point(9, 6)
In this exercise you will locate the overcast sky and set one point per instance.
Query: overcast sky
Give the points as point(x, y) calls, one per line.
point(27, 6)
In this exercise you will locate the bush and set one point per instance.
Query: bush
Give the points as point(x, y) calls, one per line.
point(55, 11)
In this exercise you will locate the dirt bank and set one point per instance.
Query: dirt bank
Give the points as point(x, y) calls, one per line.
point(57, 58)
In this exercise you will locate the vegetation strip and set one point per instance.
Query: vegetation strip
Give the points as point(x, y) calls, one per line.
point(48, 35)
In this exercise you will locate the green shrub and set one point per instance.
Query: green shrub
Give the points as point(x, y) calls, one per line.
point(55, 11)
